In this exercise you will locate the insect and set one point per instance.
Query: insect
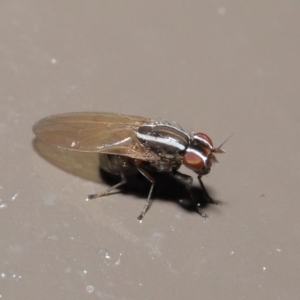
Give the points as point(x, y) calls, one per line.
point(131, 144)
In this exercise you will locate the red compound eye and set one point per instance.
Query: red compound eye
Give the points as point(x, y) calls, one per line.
point(204, 137)
point(193, 161)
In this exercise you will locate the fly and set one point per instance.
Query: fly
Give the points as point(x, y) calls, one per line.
point(131, 144)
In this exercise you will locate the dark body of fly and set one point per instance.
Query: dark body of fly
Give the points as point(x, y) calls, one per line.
point(129, 144)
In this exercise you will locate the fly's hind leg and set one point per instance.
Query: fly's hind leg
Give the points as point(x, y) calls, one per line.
point(148, 202)
point(107, 192)
point(188, 182)
point(123, 165)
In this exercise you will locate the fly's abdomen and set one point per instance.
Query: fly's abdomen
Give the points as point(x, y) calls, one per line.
point(117, 164)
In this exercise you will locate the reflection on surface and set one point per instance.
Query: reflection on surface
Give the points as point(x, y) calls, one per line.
point(86, 166)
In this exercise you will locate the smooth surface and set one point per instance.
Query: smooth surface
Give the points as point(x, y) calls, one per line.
point(214, 67)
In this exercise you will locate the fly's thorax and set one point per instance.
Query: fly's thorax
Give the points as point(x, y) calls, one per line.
point(166, 165)
point(163, 139)
point(199, 155)
point(167, 141)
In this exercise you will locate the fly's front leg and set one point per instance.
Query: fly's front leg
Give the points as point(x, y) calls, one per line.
point(107, 192)
point(188, 182)
point(208, 197)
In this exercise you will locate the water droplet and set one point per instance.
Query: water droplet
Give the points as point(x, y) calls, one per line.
point(14, 197)
point(90, 289)
point(104, 254)
point(118, 262)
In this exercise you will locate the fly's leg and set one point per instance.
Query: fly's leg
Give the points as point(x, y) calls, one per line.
point(148, 202)
point(105, 193)
point(188, 182)
point(208, 197)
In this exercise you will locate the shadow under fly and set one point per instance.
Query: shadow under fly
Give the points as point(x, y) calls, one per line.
point(166, 187)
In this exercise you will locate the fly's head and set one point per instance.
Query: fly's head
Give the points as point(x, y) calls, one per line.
point(200, 155)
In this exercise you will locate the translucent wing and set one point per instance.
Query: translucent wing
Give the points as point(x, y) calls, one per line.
point(95, 132)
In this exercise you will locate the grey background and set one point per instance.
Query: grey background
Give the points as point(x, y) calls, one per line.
point(218, 67)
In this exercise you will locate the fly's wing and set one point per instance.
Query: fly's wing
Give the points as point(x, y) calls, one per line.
point(107, 133)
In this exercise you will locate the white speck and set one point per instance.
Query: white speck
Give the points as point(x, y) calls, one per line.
point(232, 252)
point(140, 284)
point(221, 10)
point(4, 205)
point(90, 289)
point(85, 271)
point(264, 268)
point(73, 144)
point(3, 275)
point(278, 250)
point(53, 61)
point(14, 197)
